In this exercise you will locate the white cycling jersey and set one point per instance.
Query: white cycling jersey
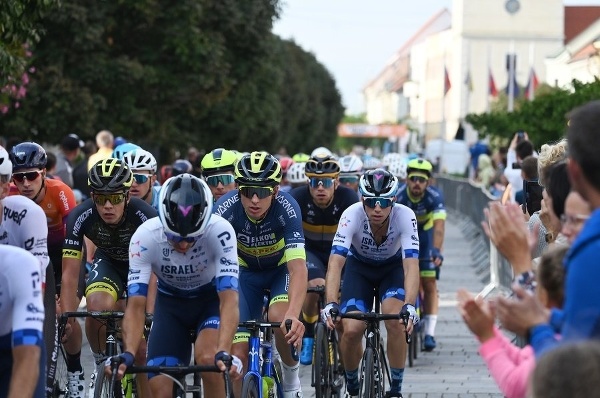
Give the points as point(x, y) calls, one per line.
point(21, 299)
point(354, 236)
point(24, 225)
point(212, 260)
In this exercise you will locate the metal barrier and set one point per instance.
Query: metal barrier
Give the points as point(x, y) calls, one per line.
point(469, 200)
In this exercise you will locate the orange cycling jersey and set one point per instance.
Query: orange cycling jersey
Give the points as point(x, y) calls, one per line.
point(58, 202)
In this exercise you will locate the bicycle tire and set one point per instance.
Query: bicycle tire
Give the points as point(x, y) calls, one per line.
point(102, 388)
point(250, 388)
point(50, 330)
point(337, 370)
point(412, 350)
point(59, 387)
point(321, 363)
point(367, 383)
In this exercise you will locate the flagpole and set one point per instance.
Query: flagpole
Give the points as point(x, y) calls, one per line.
point(511, 77)
point(468, 81)
point(489, 71)
point(531, 87)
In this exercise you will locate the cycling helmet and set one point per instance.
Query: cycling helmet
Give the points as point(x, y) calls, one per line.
point(378, 183)
point(259, 169)
point(285, 162)
point(322, 165)
point(398, 168)
point(28, 155)
point(181, 166)
point(296, 175)
point(119, 141)
point(140, 159)
point(5, 163)
point(351, 164)
point(371, 163)
point(419, 166)
point(301, 158)
point(321, 151)
point(110, 175)
point(122, 149)
point(218, 160)
point(185, 205)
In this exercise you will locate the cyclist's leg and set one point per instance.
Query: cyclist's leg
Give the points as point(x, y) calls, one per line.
point(392, 300)
point(357, 295)
point(428, 282)
point(310, 309)
point(170, 341)
point(207, 343)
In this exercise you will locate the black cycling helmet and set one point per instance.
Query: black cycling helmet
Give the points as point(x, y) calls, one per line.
point(378, 183)
point(27, 155)
point(322, 165)
point(110, 175)
point(258, 169)
point(185, 205)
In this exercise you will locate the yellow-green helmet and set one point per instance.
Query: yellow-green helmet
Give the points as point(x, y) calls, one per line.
point(110, 175)
point(218, 161)
point(419, 166)
point(258, 169)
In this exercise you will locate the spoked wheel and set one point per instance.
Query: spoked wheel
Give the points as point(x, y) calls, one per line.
point(102, 387)
point(250, 388)
point(321, 366)
point(367, 385)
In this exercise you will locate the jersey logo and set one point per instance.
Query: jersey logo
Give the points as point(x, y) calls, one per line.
point(185, 210)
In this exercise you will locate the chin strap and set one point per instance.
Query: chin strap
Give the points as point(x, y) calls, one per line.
point(43, 187)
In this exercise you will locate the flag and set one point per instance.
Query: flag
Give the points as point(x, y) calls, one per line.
point(469, 81)
point(516, 89)
point(532, 85)
point(492, 90)
point(447, 84)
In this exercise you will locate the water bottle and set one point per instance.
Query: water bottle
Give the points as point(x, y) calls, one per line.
point(268, 387)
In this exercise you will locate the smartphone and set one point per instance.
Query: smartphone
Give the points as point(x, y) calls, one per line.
point(533, 196)
point(520, 136)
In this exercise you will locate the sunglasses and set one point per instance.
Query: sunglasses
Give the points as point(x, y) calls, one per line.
point(381, 202)
point(349, 180)
point(418, 179)
point(314, 182)
point(114, 198)
point(261, 192)
point(29, 175)
point(224, 179)
point(141, 178)
point(178, 239)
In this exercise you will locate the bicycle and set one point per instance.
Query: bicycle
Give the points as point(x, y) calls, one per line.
point(327, 376)
point(374, 362)
point(416, 342)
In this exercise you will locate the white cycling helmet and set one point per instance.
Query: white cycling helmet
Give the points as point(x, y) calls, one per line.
point(398, 167)
point(371, 163)
point(321, 151)
point(140, 159)
point(296, 174)
point(6, 165)
point(351, 164)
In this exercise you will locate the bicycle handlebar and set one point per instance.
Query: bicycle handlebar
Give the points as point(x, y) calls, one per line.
point(288, 326)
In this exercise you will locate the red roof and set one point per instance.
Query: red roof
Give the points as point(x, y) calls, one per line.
point(578, 18)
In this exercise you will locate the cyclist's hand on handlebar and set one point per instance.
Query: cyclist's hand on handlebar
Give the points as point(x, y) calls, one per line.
point(295, 333)
point(224, 360)
point(408, 316)
point(436, 257)
point(330, 313)
point(122, 361)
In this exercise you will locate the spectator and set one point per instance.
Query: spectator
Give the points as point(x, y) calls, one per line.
point(577, 211)
point(69, 151)
point(80, 171)
point(529, 174)
point(104, 142)
point(194, 156)
point(520, 147)
point(478, 148)
point(50, 165)
point(485, 171)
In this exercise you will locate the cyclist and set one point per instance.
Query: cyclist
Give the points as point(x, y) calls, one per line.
point(286, 162)
point(296, 176)
point(270, 243)
point(143, 166)
point(321, 203)
point(217, 169)
point(195, 257)
point(122, 149)
point(377, 240)
point(428, 204)
point(350, 171)
point(108, 219)
point(22, 314)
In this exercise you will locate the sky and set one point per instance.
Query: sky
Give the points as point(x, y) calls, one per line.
point(355, 39)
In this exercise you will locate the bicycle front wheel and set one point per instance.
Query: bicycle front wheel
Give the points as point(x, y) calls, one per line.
point(367, 385)
point(321, 364)
point(250, 388)
point(102, 387)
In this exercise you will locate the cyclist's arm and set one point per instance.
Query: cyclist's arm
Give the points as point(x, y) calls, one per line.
point(69, 300)
point(297, 288)
point(333, 277)
point(133, 322)
point(230, 316)
point(411, 279)
point(152, 291)
point(439, 228)
point(25, 371)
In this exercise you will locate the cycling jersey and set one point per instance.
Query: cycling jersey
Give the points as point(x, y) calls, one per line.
point(354, 236)
point(427, 209)
point(211, 263)
point(270, 242)
point(21, 310)
point(23, 225)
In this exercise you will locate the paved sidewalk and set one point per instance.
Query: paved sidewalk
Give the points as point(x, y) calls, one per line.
point(454, 369)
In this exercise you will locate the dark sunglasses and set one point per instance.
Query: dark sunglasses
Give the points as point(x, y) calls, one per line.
point(382, 202)
point(141, 178)
point(261, 192)
point(418, 179)
point(314, 182)
point(178, 239)
point(114, 198)
point(224, 179)
point(29, 175)
point(349, 180)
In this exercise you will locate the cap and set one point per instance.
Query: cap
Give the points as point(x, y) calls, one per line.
point(72, 142)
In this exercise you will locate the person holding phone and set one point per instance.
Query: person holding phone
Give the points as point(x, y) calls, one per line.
point(520, 147)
